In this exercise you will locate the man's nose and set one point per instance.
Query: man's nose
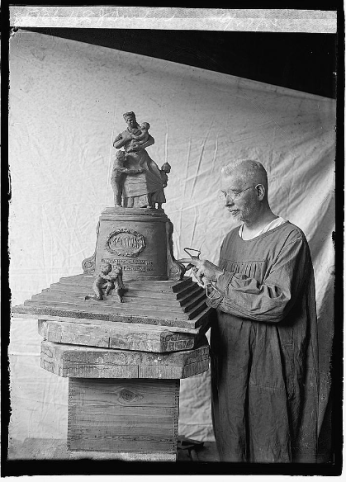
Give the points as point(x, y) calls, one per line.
point(228, 201)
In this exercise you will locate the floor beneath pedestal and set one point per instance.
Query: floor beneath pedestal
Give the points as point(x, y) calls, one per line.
point(46, 449)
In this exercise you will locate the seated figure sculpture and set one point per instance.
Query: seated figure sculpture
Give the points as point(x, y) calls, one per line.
point(109, 278)
point(139, 189)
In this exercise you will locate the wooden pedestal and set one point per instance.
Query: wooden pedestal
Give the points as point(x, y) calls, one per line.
point(125, 360)
point(132, 416)
point(123, 402)
point(85, 362)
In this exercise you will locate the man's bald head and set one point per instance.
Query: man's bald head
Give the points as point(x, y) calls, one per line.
point(247, 171)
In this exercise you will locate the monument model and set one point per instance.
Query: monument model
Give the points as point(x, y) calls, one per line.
point(128, 328)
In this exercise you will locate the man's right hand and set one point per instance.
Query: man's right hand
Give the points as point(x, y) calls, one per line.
point(203, 269)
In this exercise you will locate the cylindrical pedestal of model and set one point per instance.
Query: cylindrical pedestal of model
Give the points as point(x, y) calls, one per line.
point(136, 242)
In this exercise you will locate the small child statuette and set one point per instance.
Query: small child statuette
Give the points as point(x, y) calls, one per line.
point(159, 196)
point(118, 176)
point(140, 139)
point(107, 280)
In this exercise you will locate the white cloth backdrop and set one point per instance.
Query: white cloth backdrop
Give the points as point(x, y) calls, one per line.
point(66, 104)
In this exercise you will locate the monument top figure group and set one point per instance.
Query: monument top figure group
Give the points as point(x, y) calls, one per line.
point(137, 181)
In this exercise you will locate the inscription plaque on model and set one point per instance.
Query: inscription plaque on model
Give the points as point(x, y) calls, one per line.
point(125, 242)
point(131, 264)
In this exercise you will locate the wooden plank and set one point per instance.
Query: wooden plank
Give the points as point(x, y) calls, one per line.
point(123, 456)
point(56, 449)
point(62, 311)
point(162, 286)
point(197, 309)
point(134, 304)
point(109, 324)
point(127, 393)
point(108, 416)
point(111, 442)
point(94, 416)
point(140, 291)
point(135, 297)
point(185, 295)
point(195, 368)
point(85, 370)
point(110, 302)
point(109, 314)
point(91, 306)
point(124, 336)
point(169, 372)
point(86, 362)
point(72, 333)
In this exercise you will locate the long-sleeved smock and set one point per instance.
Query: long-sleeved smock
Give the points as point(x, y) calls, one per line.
point(264, 349)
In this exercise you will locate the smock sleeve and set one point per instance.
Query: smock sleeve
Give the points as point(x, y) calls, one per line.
point(271, 300)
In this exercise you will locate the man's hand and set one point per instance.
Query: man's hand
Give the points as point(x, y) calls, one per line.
point(203, 268)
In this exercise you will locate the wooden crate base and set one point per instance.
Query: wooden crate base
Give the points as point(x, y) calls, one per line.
point(124, 456)
point(56, 449)
point(123, 416)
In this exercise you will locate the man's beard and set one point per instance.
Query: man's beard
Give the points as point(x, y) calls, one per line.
point(237, 214)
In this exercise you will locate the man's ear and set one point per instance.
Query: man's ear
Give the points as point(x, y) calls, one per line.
point(261, 191)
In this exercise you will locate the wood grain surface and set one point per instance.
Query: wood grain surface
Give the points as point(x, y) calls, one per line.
point(125, 336)
point(86, 362)
point(138, 416)
point(163, 303)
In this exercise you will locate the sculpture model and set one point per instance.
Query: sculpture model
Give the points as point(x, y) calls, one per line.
point(109, 278)
point(137, 190)
point(124, 350)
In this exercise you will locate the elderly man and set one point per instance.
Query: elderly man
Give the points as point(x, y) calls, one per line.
point(264, 342)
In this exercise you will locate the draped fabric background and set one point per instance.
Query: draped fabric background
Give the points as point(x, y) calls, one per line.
point(66, 105)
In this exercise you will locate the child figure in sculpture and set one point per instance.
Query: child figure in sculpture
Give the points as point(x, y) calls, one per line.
point(140, 139)
point(108, 279)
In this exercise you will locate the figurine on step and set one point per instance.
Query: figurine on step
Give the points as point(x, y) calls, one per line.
point(107, 280)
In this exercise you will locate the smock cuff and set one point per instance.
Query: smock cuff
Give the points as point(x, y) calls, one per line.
point(214, 297)
point(216, 293)
point(223, 281)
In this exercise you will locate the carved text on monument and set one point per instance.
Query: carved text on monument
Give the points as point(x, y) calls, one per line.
point(131, 264)
point(125, 242)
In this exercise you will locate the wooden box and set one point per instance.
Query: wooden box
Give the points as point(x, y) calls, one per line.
point(121, 415)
